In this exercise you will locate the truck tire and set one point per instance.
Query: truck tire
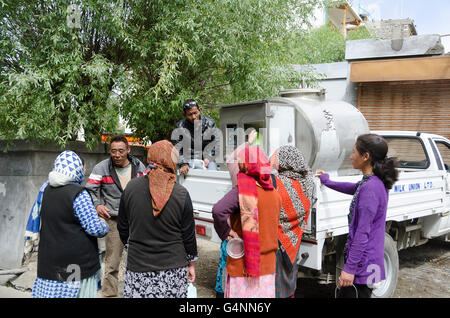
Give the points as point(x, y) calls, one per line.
point(386, 288)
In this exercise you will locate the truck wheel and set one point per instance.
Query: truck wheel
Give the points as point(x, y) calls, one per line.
point(386, 288)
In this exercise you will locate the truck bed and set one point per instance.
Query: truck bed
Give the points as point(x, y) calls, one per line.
point(414, 195)
point(206, 188)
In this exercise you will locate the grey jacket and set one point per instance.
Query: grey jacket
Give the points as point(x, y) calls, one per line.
point(104, 185)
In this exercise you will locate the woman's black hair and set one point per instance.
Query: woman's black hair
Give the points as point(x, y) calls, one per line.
point(383, 166)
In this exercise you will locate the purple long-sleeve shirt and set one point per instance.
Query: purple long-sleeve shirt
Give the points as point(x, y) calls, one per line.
point(365, 254)
point(222, 210)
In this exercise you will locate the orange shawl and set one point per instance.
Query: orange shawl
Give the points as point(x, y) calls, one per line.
point(163, 175)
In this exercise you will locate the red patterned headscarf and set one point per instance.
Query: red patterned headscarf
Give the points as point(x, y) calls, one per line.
point(255, 170)
point(163, 176)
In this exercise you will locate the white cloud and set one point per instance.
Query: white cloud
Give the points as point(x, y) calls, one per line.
point(446, 43)
point(374, 11)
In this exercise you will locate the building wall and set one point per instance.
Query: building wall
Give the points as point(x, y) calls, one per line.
point(335, 80)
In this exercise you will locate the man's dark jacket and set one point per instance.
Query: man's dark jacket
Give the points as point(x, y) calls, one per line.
point(203, 135)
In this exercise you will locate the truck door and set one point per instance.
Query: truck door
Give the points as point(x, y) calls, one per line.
point(443, 147)
point(444, 152)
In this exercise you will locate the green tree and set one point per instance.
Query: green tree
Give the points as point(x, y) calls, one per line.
point(139, 59)
point(55, 79)
point(213, 51)
point(324, 44)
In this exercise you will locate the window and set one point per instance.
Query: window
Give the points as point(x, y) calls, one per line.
point(409, 152)
point(444, 150)
point(258, 126)
point(231, 136)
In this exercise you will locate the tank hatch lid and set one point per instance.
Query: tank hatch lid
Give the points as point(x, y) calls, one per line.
point(307, 93)
point(256, 102)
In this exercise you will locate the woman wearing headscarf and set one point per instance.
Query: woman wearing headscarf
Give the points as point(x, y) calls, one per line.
point(233, 169)
point(295, 185)
point(251, 210)
point(64, 221)
point(156, 223)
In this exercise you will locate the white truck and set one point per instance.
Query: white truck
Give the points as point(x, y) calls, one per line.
point(419, 202)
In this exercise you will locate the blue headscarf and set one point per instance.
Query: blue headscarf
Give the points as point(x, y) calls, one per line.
point(67, 168)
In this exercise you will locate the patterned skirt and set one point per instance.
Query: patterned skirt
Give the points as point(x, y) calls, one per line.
point(250, 287)
point(171, 283)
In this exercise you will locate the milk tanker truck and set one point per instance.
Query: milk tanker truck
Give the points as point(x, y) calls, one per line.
point(325, 131)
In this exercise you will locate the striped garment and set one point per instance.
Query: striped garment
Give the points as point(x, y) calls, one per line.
point(104, 186)
point(256, 169)
point(292, 224)
point(295, 186)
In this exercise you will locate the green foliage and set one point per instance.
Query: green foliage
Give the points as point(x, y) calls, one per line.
point(53, 80)
point(212, 51)
point(139, 59)
point(324, 45)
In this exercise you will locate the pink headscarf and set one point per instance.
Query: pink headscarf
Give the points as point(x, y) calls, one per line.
point(254, 168)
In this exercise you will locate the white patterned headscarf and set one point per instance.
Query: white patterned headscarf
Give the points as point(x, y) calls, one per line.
point(67, 168)
point(291, 164)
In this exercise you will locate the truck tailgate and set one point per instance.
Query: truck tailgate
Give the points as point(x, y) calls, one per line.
point(205, 188)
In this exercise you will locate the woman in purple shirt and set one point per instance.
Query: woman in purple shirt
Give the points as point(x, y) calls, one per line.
point(364, 249)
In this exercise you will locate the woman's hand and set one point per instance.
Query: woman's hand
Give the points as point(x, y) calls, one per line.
point(184, 170)
point(320, 172)
point(346, 279)
point(231, 235)
point(191, 272)
point(102, 212)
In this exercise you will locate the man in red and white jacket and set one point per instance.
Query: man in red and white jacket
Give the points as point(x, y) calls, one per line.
point(105, 185)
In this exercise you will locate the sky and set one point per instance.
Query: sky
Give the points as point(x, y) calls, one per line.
point(429, 16)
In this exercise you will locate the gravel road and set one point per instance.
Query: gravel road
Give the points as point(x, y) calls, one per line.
point(424, 273)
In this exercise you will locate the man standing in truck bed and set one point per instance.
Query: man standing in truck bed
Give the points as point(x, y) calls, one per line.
point(198, 129)
point(110, 177)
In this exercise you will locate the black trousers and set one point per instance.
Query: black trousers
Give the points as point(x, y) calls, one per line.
point(349, 292)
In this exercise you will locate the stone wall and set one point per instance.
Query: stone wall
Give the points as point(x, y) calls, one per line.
point(24, 168)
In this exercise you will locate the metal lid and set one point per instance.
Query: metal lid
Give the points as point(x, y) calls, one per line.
point(310, 93)
point(235, 248)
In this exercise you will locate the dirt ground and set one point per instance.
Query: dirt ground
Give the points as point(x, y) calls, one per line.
point(424, 273)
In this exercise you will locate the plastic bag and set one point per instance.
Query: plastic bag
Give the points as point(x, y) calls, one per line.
point(192, 291)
